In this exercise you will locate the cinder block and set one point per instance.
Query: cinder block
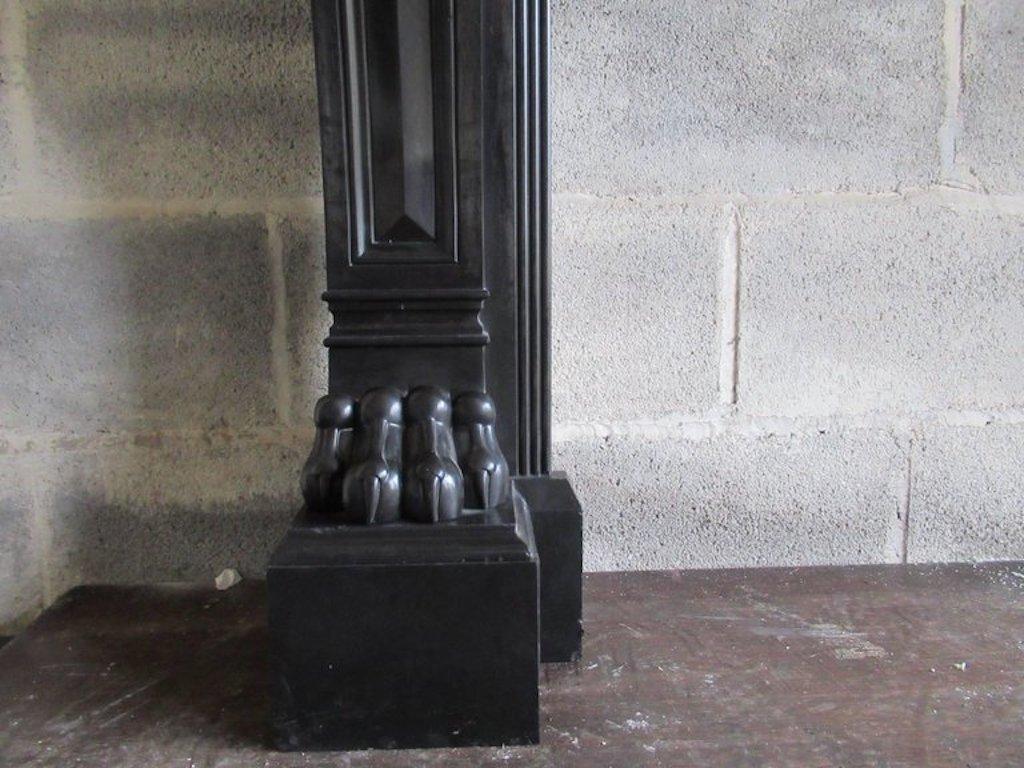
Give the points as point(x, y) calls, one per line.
point(893, 306)
point(634, 295)
point(21, 583)
point(309, 320)
point(735, 501)
point(8, 159)
point(992, 102)
point(171, 509)
point(171, 98)
point(135, 324)
point(662, 96)
point(966, 496)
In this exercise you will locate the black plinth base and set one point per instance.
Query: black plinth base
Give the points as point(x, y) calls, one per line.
point(405, 635)
point(558, 528)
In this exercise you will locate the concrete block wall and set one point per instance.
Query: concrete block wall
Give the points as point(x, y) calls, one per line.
point(788, 266)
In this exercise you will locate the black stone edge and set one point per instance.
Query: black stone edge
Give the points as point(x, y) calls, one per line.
point(310, 543)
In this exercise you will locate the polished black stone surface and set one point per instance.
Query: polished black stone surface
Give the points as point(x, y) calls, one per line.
point(405, 635)
point(558, 528)
point(396, 619)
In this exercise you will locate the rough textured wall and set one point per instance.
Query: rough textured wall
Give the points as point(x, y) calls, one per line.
point(788, 262)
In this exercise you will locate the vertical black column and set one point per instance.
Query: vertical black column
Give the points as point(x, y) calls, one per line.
point(433, 119)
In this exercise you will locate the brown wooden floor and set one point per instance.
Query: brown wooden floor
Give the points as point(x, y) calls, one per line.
point(872, 666)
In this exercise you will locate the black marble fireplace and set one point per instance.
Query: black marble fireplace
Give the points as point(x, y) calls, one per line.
point(437, 559)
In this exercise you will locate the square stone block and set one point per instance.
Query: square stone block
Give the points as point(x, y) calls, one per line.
point(558, 527)
point(405, 635)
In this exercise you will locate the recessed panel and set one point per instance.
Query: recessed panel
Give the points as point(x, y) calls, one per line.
point(401, 91)
point(405, 103)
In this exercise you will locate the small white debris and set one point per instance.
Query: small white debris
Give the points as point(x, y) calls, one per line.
point(227, 578)
point(960, 665)
point(640, 723)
